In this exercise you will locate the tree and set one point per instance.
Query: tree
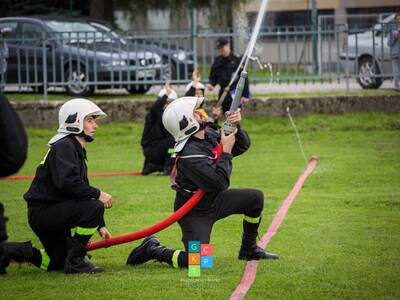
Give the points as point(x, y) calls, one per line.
point(220, 12)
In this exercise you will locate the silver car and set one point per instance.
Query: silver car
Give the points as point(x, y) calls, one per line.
point(369, 55)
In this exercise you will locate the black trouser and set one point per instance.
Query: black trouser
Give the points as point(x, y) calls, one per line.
point(158, 154)
point(249, 202)
point(53, 224)
point(3, 220)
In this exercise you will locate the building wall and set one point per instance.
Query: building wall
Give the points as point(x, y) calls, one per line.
point(163, 20)
point(340, 5)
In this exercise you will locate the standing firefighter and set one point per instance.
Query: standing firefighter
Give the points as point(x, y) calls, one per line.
point(222, 70)
point(394, 44)
point(60, 198)
point(198, 168)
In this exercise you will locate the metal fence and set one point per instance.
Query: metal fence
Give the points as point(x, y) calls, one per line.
point(81, 62)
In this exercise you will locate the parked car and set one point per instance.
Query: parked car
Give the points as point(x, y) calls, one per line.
point(369, 55)
point(79, 56)
point(178, 59)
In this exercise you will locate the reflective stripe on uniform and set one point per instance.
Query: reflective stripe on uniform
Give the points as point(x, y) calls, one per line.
point(44, 158)
point(85, 231)
point(252, 220)
point(175, 259)
point(44, 265)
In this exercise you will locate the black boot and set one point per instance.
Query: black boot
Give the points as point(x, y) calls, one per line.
point(149, 249)
point(151, 168)
point(75, 261)
point(250, 251)
point(16, 251)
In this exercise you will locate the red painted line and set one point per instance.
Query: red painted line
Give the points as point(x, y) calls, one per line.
point(249, 274)
point(22, 177)
point(114, 174)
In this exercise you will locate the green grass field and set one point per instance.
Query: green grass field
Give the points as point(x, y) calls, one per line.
point(339, 240)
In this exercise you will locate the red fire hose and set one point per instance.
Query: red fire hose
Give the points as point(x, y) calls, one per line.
point(129, 237)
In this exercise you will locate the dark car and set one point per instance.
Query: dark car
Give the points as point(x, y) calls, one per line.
point(78, 56)
point(179, 60)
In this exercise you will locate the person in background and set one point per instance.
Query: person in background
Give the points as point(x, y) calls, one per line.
point(157, 143)
point(197, 89)
point(222, 70)
point(394, 44)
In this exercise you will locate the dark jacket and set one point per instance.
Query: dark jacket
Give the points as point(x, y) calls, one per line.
point(191, 92)
point(154, 130)
point(203, 172)
point(62, 175)
point(13, 140)
point(222, 71)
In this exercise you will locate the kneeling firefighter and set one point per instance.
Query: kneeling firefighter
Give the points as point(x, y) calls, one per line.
point(60, 198)
point(196, 167)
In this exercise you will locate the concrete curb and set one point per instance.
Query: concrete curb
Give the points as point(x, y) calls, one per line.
point(44, 114)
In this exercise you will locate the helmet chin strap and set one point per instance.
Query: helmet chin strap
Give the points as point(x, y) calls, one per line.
point(204, 124)
point(87, 138)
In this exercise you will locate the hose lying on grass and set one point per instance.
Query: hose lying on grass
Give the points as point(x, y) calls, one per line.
point(133, 236)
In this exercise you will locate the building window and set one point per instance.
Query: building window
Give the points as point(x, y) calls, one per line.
point(365, 17)
point(290, 19)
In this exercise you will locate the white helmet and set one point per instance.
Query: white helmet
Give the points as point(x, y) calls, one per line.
point(179, 120)
point(71, 116)
point(171, 97)
point(199, 86)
